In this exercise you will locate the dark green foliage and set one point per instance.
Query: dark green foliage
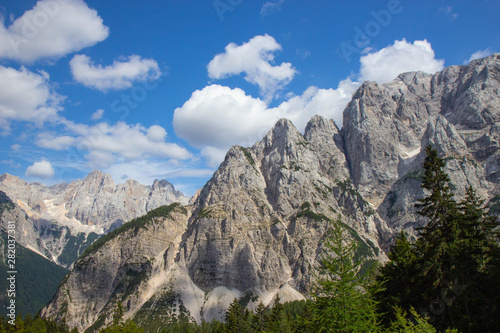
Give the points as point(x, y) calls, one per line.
point(278, 318)
point(33, 325)
point(127, 327)
point(5, 203)
point(135, 225)
point(306, 212)
point(36, 281)
point(451, 272)
point(118, 315)
point(260, 319)
point(414, 324)
point(235, 319)
point(75, 246)
point(248, 156)
point(342, 302)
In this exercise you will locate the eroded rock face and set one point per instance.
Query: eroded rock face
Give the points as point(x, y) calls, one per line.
point(386, 125)
point(256, 228)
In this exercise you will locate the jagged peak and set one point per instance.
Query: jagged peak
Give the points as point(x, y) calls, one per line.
point(320, 123)
point(7, 176)
point(162, 183)
point(283, 130)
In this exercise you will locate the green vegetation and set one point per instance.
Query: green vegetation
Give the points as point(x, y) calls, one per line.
point(445, 281)
point(5, 203)
point(32, 325)
point(306, 212)
point(341, 302)
point(164, 309)
point(248, 156)
point(135, 224)
point(75, 246)
point(204, 212)
point(36, 281)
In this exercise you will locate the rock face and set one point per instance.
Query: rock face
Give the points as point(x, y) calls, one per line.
point(256, 228)
point(59, 221)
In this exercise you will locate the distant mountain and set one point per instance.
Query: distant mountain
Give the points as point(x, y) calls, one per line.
point(256, 228)
point(60, 221)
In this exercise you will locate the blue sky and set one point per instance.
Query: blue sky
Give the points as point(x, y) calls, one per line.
point(161, 89)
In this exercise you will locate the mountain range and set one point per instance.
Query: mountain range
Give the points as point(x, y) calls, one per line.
point(60, 221)
point(256, 229)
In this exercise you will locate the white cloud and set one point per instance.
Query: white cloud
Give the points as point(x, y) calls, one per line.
point(104, 144)
point(26, 96)
point(97, 115)
point(53, 28)
point(329, 103)
point(219, 116)
point(50, 141)
point(16, 147)
point(119, 75)
point(213, 155)
point(478, 55)
point(156, 133)
point(448, 11)
point(41, 169)
point(271, 6)
point(385, 65)
point(253, 58)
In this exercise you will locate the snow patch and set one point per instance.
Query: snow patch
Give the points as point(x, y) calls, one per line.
point(58, 213)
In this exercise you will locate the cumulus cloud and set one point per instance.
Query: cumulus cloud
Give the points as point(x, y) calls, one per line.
point(41, 169)
point(97, 115)
point(26, 96)
point(213, 155)
point(119, 75)
point(385, 65)
point(103, 144)
point(51, 29)
point(254, 59)
point(478, 55)
point(218, 116)
point(329, 103)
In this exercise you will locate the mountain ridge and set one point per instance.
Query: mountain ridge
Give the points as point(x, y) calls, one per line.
point(56, 221)
point(256, 228)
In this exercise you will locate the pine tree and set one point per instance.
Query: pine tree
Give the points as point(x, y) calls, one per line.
point(401, 270)
point(278, 319)
point(342, 302)
point(118, 315)
point(234, 317)
point(260, 318)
